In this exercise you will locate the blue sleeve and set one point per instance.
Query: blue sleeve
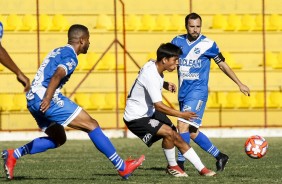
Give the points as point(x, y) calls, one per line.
point(215, 54)
point(68, 62)
point(213, 51)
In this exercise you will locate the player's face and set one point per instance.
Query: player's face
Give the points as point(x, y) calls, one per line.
point(172, 63)
point(85, 44)
point(193, 28)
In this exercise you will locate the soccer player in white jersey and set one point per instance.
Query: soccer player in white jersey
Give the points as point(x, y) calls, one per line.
point(193, 75)
point(52, 111)
point(7, 61)
point(145, 113)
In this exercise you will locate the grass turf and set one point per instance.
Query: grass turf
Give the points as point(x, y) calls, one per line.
point(80, 162)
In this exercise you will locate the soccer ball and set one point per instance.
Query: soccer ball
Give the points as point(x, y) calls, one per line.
point(256, 146)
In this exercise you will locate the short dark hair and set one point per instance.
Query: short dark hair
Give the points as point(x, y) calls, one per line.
point(192, 16)
point(77, 30)
point(168, 50)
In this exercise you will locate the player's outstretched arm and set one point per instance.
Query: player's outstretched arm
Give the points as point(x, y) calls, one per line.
point(7, 61)
point(229, 72)
point(161, 107)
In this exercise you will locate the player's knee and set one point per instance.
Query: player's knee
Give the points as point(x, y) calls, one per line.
point(61, 139)
point(93, 124)
point(57, 133)
point(182, 127)
point(171, 134)
point(193, 129)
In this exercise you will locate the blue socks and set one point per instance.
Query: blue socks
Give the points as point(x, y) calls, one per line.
point(104, 145)
point(186, 137)
point(38, 145)
point(203, 141)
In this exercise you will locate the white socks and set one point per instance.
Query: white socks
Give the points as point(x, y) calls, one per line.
point(192, 156)
point(170, 156)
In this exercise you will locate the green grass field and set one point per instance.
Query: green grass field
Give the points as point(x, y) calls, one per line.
point(80, 162)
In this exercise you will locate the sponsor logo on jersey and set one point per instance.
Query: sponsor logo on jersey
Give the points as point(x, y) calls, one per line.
point(194, 63)
point(186, 65)
point(190, 76)
point(154, 123)
point(147, 138)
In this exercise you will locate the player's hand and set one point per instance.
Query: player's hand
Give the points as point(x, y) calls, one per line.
point(24, 81)
point(188, 115)
point(45, 104)
point(244, 89)
point(170, 87)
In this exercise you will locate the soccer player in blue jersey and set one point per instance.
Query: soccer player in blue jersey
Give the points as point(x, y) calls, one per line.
point(7, 61)
point(193, 75)
point(52, 111)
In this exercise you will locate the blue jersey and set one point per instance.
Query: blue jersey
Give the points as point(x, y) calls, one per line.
point(64, 57)
point(194, 66)
point(62, 110)
point(1, 31)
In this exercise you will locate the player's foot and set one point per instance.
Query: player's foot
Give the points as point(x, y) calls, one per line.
point(9, 163)
point(176, 171)
point(220, 163)
point(130, 166)
point(181, 164)
point(207, 172)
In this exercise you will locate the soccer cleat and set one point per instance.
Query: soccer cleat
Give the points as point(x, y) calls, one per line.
point(220, 163)
point(181, 164)
point(9, 163)
point(130, 166)
point(176, 171)
point(207, 172)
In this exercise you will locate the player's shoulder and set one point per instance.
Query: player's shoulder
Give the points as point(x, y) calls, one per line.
point(67, 51)
point(206, 39)
point(180, 37)
point(147, 68)
point(149, 65)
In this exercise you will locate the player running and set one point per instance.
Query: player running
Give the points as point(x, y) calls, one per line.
point(53, 111)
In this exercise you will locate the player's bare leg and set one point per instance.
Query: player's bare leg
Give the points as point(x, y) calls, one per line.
point(169, 150)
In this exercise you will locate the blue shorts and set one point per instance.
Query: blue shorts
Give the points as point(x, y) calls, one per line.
point(197, 106)
point(62, 112)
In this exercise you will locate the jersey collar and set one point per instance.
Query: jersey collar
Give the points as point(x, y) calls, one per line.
point(68, 45)
point(190, 43)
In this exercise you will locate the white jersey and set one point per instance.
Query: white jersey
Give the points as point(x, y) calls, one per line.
point(146, 90)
